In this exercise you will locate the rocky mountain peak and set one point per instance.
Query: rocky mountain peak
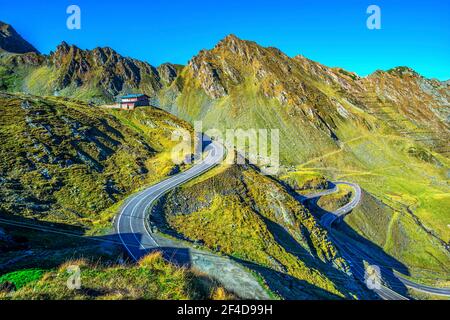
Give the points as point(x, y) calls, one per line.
point(12, 42)
point(63, 46)
point(231, 61)
point(403, 71)
point(104, 69)
point(231, 44)
point(64, 49)
point(231, 41)
point(398, 72)
point(167, 72)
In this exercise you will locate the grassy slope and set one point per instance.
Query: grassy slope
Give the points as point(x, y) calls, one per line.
point(241, 213)
point(404, 171)
point(151, 278)
point(387, 166)
point(14, 69)
point(336, 200)
point(44, 177)
point(97, 75)
point(412, 196)
point(246, 109)
point(66, 161)
point(397, 169)
point(17, 74)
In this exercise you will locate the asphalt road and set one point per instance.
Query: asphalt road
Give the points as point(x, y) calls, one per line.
point(131, 221)
point(352, 254)
point(328, 218)
point(137, 240)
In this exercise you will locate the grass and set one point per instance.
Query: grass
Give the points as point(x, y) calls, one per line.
point(304, 181)
point(40, 81)
point(111, 154)
point(404, 183)
point(22, 277)
point(41, 273)
point(14, 71)
point(70, 161)
point(371, 146)
point(234, 211)
point(332, 126)
point(152, 278)
point(413, 184)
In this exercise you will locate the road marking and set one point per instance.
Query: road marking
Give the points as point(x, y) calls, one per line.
point(155, 191)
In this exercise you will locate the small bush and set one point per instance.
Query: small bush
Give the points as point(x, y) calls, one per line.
point(151, 259)
point(22, 277)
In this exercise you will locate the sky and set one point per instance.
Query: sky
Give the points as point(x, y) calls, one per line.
point(413, 33)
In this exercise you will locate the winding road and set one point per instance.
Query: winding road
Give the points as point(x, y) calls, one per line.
point(352, 254)
point(131, 221)
point(135, 236)
point(327, 219)
point(138, 239)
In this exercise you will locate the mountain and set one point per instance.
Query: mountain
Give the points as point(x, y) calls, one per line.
point(102, 71)
point(97, 75)
point(68, 165)
point(12, 42)
point(388, 131)
point(309, 103)
point(252, 218)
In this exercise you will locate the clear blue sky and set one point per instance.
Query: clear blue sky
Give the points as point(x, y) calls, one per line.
point(414, 33)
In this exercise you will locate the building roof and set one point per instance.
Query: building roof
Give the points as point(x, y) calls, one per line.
point(128, 96)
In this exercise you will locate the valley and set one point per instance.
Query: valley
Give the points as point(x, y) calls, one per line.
point(71, 165)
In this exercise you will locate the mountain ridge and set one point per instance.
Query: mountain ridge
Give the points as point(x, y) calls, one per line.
point(231, 41)
point(314, 93)
point(388, 131)
point(12, 42)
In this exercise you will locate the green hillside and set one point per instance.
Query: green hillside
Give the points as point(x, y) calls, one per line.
point(388, 132)
point(237, 211)
point(66, 161)
point(152, 278)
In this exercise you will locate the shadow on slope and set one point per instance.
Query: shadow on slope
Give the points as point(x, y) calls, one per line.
point(361, 251)
point(32, 243)
point(290, 244)
point(287, 286)
point(283, 284)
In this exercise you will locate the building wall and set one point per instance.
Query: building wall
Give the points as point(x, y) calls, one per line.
point(143, 102)
point(128, 106)
point(131, 103)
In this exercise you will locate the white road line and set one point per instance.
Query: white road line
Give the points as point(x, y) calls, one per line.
point(155, 191)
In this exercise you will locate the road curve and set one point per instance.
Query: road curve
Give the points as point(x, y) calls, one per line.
point(351, 254)
point(137, 239)
point(423, 288)
point(131, 227)
point(327, 221)
point(131, 221)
